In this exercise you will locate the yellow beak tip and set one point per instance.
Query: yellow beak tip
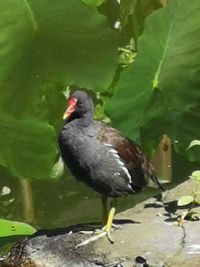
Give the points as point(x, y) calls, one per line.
point(65, 115)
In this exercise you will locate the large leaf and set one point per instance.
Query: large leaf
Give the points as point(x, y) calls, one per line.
point(27, 146)
point(46, 42)
point(76, 43)
point(159, 93)
point(93, 3)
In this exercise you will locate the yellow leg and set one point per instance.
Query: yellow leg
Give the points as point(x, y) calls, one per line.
point(109, 223)
point(106, 230)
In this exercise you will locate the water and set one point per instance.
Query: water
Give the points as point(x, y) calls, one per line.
point(65, 202)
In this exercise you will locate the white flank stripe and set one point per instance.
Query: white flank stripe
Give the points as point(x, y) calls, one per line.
point(106, 144)
point(127, 173)
point(120, 162)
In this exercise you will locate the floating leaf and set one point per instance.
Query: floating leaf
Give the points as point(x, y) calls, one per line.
point(197, 200)
point(196, 175)
point(185, 200)
point(12, 228)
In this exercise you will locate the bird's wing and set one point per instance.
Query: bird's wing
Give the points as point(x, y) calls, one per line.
point(137, 164)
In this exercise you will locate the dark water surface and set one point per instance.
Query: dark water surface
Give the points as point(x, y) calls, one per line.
point(65, 202)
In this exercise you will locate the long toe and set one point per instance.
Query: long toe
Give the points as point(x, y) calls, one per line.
point(93, 238)
point(98, 234)
point(105, 231)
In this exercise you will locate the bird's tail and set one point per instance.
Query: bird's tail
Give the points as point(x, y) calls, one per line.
point(155, 180)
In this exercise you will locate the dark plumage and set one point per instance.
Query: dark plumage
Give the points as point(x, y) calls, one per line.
point(100, 156)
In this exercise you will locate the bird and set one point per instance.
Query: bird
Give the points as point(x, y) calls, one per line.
point(102, 157)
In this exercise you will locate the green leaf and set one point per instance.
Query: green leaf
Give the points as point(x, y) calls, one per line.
point(196, 175)
point(93, 3)
point(55, 101)
point(194, 143)
point(132, 16)
point(27, 146)
point(186, 128)
point(79, 51)
point(198, 200)
point(44, 42)
point(58, 170)
point(185, 200)
point(192, 215)
point(12, 228)
point(193, 150)
point(110, 9)
point(159, 92)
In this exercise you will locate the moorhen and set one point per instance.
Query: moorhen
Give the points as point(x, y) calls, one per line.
point(100, 156)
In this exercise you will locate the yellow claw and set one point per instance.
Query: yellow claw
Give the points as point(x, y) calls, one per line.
point(105, 231)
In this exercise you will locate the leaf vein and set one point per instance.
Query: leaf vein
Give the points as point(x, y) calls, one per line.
point(156, 79)
point(32, 17)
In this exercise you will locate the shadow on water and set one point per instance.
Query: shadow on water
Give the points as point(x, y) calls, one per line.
point(68, 202)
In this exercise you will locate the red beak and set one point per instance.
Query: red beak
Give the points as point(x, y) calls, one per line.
point(71, 107)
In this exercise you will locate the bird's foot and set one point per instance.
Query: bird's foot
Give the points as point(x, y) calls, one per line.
point(97, 234)
point(100, 230)
point(113, 226)
point(105, 231)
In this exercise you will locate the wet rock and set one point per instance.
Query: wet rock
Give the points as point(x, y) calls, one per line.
point(47, 251)
point(150, 237)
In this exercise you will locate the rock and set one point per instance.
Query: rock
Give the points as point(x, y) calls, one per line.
point(150, 237)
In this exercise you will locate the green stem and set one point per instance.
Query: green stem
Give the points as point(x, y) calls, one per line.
point(27, 200)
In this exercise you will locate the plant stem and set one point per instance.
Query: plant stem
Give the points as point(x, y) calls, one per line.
point(27, 200)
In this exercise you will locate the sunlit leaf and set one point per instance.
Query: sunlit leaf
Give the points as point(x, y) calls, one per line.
point(185, 200)
point(159, 93)
point(12, 228)
point(198, 200)
point(196, 175)
point(194, 143)
point(193, 150)
point(58, 170)
point(45, 43)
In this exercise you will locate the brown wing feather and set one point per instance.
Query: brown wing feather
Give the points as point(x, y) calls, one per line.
point(140, 169)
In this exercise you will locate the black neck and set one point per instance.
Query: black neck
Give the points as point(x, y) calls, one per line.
point(85, 118)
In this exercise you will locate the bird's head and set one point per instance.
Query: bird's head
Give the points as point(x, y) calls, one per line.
point(79, 105)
